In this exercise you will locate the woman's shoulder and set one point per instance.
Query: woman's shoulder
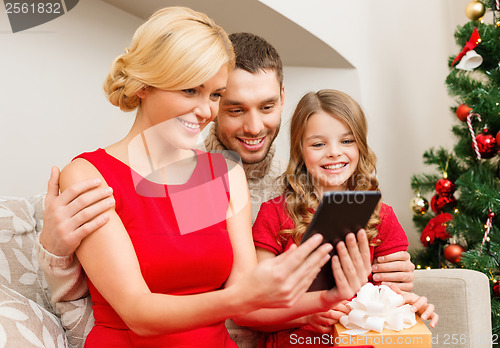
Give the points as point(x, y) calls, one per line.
point(77, 170)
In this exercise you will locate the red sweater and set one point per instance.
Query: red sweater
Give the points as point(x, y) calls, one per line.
point(273, 218)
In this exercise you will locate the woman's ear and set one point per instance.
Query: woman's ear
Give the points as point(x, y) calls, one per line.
point(143, 92)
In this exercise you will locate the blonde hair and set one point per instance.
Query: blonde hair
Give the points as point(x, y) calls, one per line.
point(299, 191)
point(176, 48)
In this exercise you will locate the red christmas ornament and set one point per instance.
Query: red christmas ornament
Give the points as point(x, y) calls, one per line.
point(487, 144)
point(498, 137)
point(445, 187)
point(470, 45)
point(436, 228)
point(441, 203)
point(453, 253)
point(496, 289)
point(462, 112)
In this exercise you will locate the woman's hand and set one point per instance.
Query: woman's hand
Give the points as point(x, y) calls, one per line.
point(323, 322)
point(351, 268)
point(419, 305)
point(282, 280)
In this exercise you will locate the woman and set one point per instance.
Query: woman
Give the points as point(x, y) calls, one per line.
point(176, 257)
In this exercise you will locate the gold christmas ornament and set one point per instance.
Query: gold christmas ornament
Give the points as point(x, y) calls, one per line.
point(475, 10)
point(419, 205)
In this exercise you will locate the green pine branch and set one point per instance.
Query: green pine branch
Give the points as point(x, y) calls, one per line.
point(477, 180)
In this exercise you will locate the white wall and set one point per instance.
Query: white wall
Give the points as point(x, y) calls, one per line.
point(400, 49)
point(53, 106)
point(298, 81)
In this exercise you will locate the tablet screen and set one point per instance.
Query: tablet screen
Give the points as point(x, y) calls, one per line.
point(339, 213)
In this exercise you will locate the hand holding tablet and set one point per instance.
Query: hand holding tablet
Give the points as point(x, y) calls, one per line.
point(339, 213)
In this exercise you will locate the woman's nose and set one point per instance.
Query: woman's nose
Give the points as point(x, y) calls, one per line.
point(204, 110)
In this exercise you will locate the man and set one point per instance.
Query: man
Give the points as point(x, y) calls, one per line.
point(249, 115)
point(247, 123)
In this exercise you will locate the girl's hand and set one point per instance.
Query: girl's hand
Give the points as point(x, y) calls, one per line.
point(419, 305)
point(351, 268)
point(282, 280)
point(323, 322)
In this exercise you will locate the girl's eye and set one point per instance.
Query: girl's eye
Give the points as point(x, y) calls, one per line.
point(348, 141)
point(317, 144)
point(189, 91)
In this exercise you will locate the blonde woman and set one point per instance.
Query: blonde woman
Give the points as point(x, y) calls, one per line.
point(176, 257)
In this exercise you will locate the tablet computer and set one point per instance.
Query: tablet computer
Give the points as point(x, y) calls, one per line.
point(339, 213)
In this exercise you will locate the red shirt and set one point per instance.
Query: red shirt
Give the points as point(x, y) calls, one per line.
point(273, 218)
point(180, 238)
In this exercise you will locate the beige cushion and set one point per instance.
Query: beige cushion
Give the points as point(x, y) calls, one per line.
point(38, 203)
point(19, 269)
point(77, 319)
point(462, 300)
point(23, 323)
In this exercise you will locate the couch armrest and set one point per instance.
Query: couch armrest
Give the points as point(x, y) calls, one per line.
point(462, 300)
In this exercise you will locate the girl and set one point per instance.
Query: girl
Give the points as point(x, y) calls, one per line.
point(176, 258)
point(328, 152)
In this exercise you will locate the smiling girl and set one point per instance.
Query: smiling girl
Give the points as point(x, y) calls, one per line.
point(328, 152)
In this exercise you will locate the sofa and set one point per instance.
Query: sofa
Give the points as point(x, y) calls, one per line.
point(28, 319)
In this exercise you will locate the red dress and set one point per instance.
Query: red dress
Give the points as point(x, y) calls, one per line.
point(273, 218)
point(179, 235)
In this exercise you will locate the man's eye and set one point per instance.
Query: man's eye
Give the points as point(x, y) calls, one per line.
point(235, 111)
point(268, 108)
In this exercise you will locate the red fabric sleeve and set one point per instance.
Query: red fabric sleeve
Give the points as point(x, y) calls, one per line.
point(271, 219)
point(391, 235)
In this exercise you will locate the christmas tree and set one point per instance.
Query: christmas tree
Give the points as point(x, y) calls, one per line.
point(462, 228)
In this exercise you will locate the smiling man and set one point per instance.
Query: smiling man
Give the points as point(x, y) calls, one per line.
point(249, 115)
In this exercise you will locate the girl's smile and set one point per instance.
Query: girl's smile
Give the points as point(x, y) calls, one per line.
point(335, 168)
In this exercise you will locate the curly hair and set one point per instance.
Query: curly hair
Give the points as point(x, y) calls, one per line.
point(301, 198)
point(176, 48)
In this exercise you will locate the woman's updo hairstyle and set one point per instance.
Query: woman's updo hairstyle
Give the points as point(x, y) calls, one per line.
point(175, 49)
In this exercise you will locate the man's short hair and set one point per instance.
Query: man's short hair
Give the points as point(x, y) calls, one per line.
point(254, 54)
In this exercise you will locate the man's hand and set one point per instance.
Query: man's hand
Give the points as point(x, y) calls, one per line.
point(71, 216)
point(394, 269)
